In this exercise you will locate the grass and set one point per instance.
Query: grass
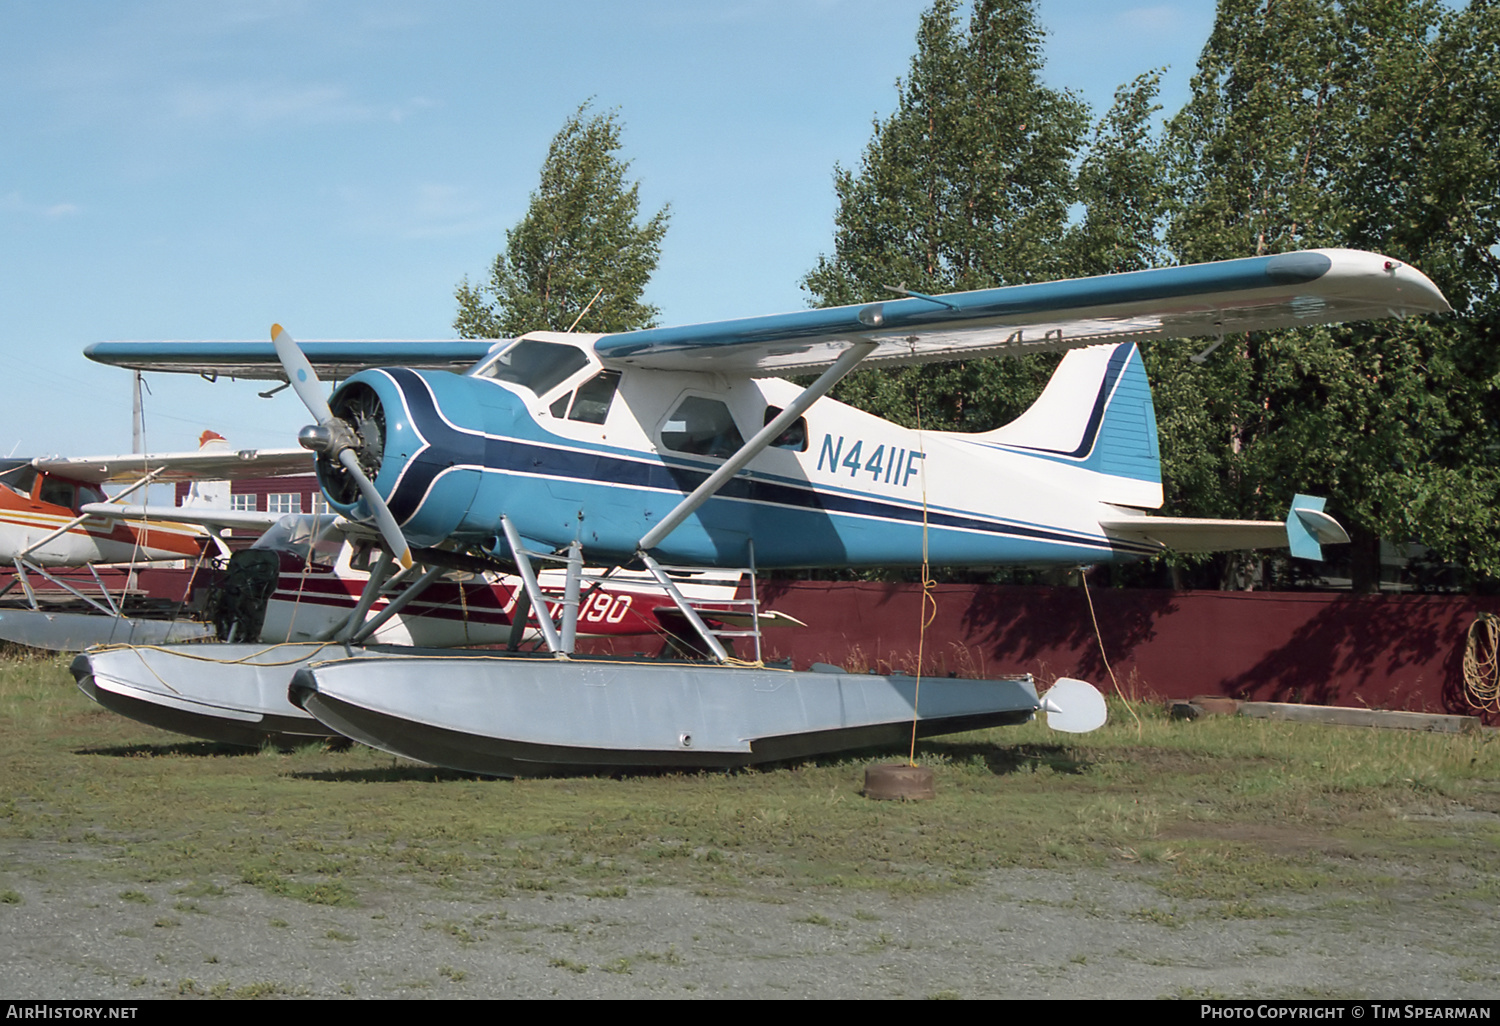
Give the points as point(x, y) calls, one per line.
point(1232, 811)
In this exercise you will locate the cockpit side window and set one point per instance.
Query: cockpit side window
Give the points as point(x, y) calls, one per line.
point(594, 398)
point(794, 437)
point(58, 493)
point(539, 366)
point(702, 427)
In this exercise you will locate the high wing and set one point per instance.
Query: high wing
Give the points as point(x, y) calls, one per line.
point(178, 466)
point(1323, 286)
point(331, 358)
point(1259, 293)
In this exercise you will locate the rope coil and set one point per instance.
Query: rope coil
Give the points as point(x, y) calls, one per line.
point(1482, 664)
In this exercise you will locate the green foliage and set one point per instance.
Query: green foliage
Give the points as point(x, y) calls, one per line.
point(579, 237)
point(1361, 123)
point(1370, 124)
point(967, 185)
point(1122, 184)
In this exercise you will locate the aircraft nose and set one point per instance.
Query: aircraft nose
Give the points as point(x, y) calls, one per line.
point(358, 424)
point(316, 438)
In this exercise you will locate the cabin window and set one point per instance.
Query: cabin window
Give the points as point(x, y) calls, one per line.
point(539, 366)
point(794, 437)
point(58, 493)
point(702, 427)
point(594, 398)
point(590, 404)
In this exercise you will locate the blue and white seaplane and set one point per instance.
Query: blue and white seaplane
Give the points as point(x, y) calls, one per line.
point(683, 447)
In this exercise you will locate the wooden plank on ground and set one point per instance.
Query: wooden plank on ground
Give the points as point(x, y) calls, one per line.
point(1360, 717)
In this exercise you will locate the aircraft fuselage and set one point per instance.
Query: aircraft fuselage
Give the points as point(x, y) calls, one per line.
point(841, 488)
point(28, 517)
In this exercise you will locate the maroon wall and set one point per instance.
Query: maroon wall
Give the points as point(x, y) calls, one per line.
point(1330, 648)
point(1385, 651)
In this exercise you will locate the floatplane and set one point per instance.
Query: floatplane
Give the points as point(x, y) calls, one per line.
point(54, 515)
point(300, 592)
point(683, 446)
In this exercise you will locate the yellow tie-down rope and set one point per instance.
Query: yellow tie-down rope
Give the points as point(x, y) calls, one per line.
point(1482, 664)
point(928, 610)
point(1083, 578)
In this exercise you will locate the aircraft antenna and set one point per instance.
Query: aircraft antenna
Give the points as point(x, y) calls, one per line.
point(902, 290)
point(586, 309)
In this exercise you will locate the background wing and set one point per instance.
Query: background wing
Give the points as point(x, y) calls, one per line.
point(180, 466)
point(331, 358)
point(249, 519)
point(1293, 289)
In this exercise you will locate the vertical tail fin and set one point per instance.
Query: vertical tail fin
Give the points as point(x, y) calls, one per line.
point(1094, 418)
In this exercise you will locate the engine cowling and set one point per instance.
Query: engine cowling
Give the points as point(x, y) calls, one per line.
point(420, 439)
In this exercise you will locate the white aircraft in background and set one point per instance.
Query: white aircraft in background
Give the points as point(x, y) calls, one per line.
point(54, 514)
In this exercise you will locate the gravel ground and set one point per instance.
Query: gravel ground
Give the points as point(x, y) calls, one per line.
point(1030, 934)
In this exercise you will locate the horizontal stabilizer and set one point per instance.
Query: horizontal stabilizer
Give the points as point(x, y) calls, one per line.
point(1197, 534)
point(1306, 528)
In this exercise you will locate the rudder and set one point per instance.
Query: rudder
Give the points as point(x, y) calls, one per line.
point(1095, 416)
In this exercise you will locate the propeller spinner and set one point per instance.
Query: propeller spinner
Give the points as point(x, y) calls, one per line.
point(335, 437)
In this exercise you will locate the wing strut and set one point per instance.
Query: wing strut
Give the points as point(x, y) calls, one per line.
point(65, 528)
point(846, 362)
point(557, 644)
point(378, 574)
point(758, 443)
point(396, 604)
point(713, 643)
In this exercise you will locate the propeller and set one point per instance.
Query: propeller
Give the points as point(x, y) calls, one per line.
point(334, 437)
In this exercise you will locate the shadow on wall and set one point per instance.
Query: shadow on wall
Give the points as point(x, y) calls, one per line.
point(1384, 652)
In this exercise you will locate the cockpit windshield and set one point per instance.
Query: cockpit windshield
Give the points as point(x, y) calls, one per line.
point(294, 534)
point(539, 366)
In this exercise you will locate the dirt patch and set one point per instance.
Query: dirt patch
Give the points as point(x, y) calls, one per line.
point(1277, 840)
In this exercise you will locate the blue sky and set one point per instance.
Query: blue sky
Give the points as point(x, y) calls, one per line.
point(176, 169)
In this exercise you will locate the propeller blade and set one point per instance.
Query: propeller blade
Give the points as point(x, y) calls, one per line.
point(299, 371)
point(384, 519)
point(304, 380)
